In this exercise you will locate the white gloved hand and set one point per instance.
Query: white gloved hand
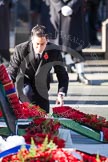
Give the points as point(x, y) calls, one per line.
point(59, 101)
point(66, 11)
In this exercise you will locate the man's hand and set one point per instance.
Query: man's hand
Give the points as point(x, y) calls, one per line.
point(59, 100)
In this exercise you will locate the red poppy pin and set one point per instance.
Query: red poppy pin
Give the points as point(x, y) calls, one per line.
point(45, 56)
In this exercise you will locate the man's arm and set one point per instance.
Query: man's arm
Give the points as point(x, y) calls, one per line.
point(14, 64)
point(63, 80)
point(62, 75)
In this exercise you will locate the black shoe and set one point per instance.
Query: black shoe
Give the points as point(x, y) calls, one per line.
point(81, 78)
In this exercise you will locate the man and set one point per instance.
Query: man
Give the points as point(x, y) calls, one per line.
point(30, 67)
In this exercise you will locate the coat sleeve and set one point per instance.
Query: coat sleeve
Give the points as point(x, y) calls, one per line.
point(61, 74)
point(14, 65)
point(74, 5)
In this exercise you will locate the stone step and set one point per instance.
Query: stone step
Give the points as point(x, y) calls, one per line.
point(96, 62)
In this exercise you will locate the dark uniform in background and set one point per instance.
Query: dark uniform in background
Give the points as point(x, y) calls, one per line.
point(5, 6)
point(34, 12)
point(70, 32)
point(92, 12)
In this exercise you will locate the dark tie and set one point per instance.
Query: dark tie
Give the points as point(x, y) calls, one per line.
point(38, 58)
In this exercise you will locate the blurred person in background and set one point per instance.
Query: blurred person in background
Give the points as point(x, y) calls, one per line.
point(5, 6)
point(66, 24)
point(34, 12)
point(93, 17)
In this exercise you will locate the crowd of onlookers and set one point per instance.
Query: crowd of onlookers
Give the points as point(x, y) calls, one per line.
point(95, 10)
point(72, 24)
point(95, 14)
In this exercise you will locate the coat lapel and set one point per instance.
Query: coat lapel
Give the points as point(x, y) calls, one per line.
point(32, 57)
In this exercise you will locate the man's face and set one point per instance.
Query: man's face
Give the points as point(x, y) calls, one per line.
point(39, 44)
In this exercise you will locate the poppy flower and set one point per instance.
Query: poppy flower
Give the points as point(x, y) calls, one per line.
point(46, 56)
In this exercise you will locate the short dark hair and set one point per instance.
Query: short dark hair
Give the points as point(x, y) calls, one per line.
point(39, 31)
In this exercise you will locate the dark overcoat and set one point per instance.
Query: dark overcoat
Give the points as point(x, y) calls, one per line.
point(4, 27)
point(24, 69)
point(69, 31)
